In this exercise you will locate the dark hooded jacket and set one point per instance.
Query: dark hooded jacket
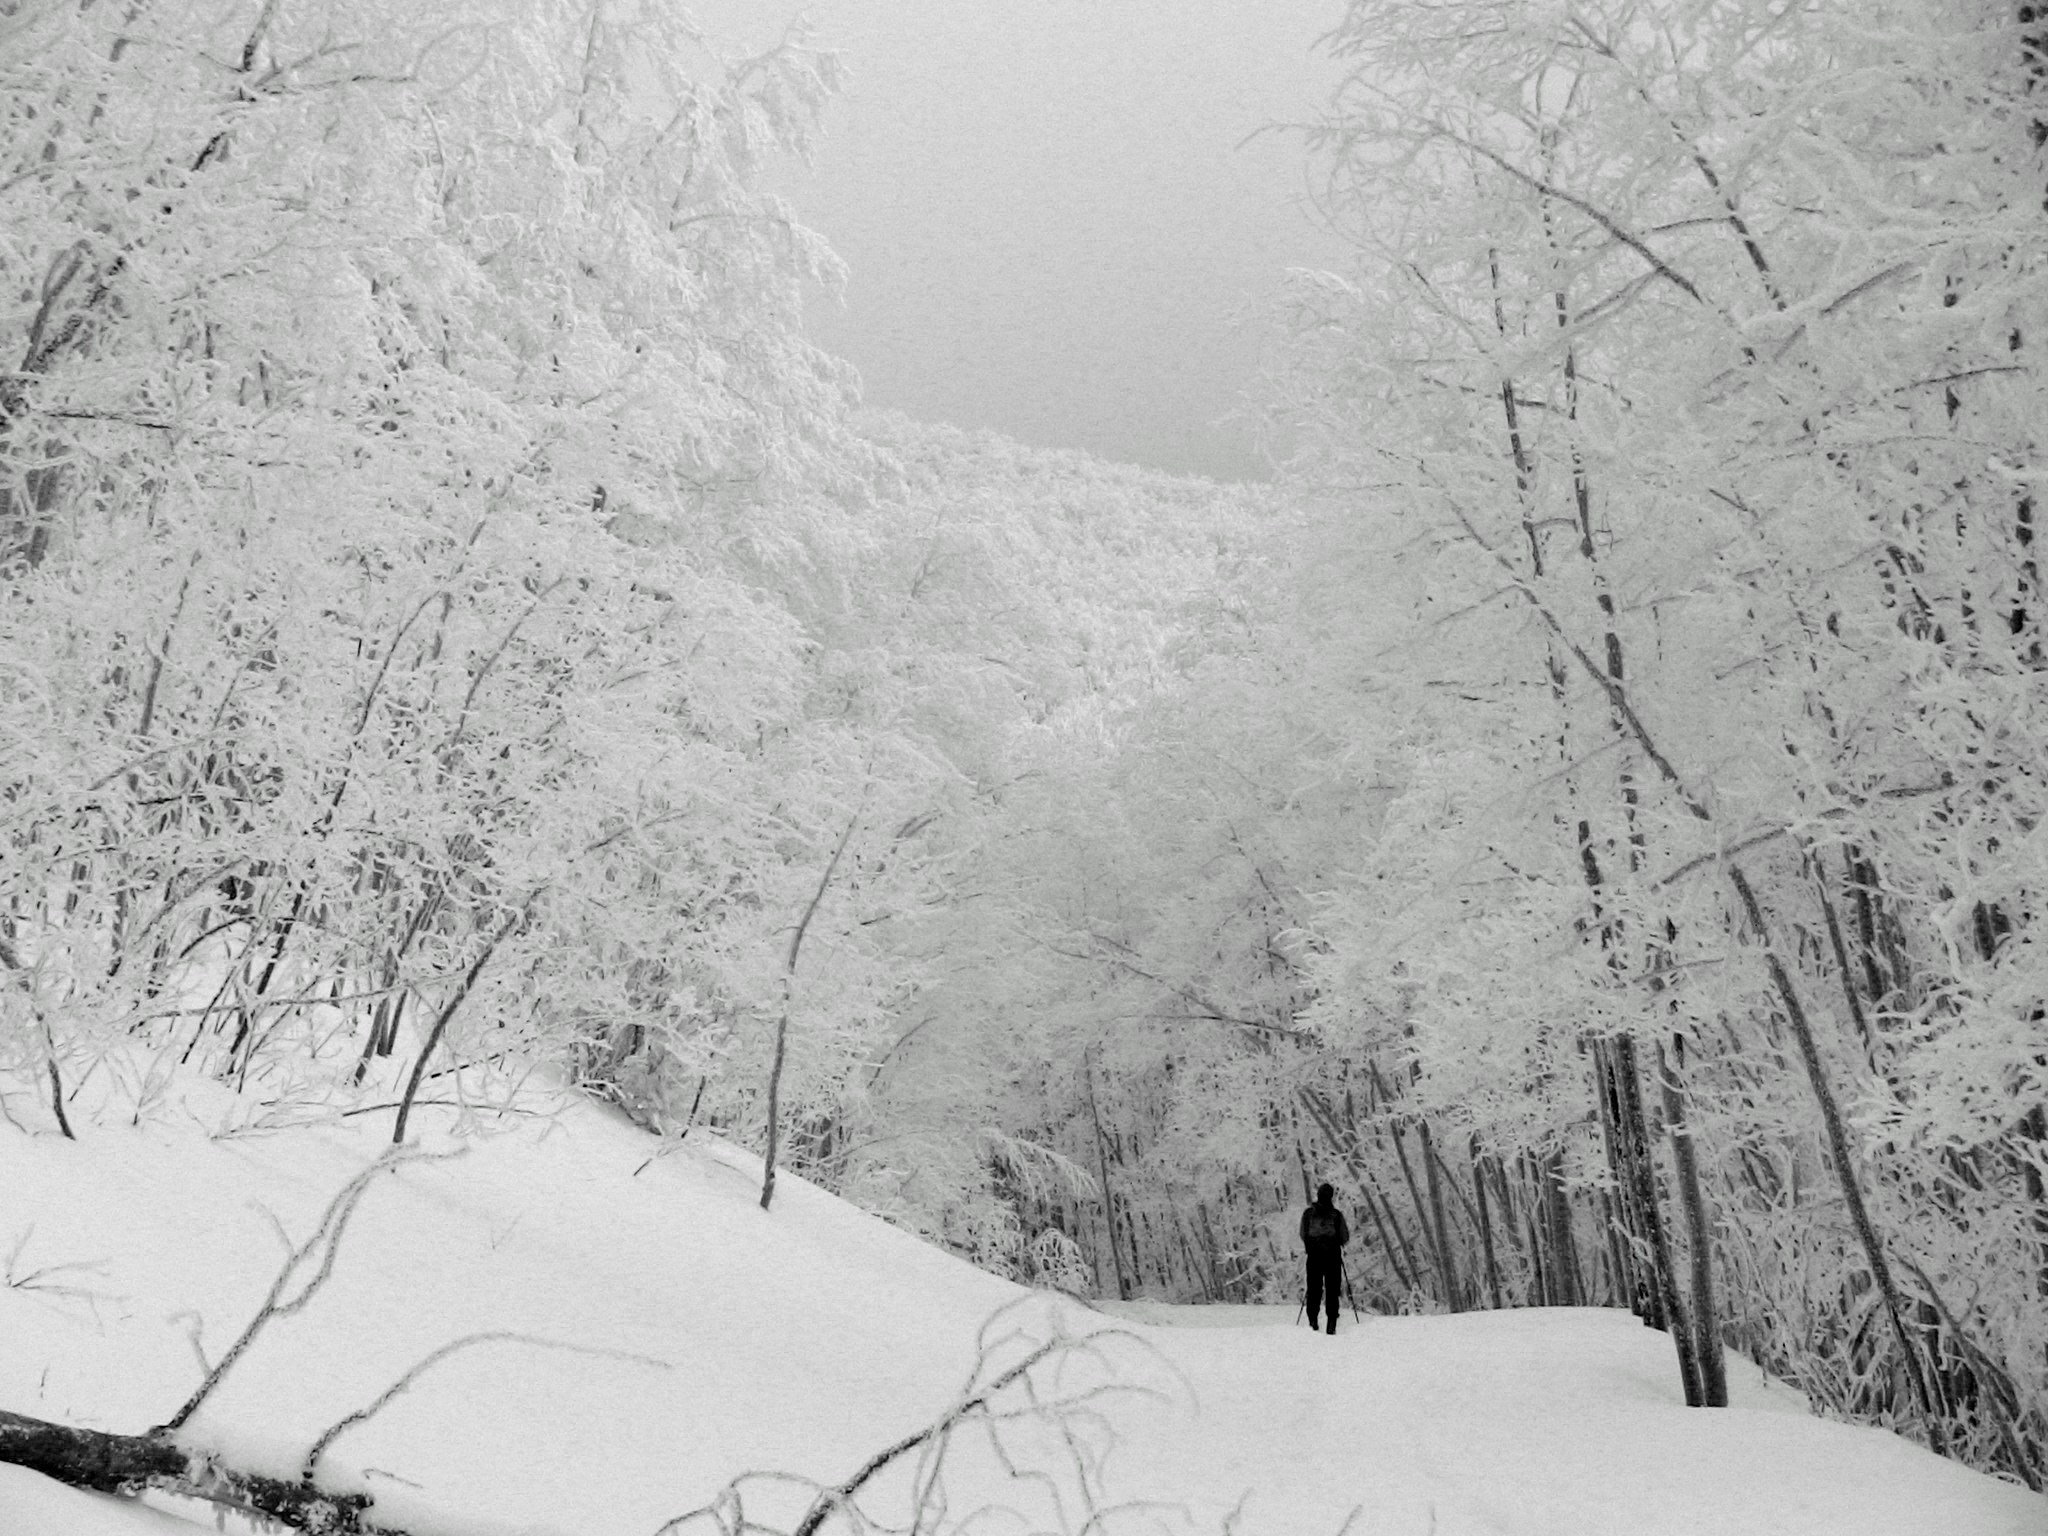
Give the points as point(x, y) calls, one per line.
point(1323, 1230)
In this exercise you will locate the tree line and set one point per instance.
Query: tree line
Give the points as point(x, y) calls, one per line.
point(1614, 842)
point(457, 628)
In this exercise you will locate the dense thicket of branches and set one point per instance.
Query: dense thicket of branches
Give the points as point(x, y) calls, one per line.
point(450, 623)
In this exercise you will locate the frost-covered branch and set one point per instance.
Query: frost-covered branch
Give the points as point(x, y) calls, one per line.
point(306, 1267)
point(434, 1357)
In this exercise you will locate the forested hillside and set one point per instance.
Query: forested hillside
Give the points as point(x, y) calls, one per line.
point(1686, 401)
point(457, 632)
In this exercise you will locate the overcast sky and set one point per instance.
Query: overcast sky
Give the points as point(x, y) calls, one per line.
point(1051, 227)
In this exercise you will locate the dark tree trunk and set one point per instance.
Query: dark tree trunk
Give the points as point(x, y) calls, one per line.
point(1706, 1328)
point(1644, 1171)
point(1400, 1255)
point(124, 1464)
point(2033, 1133)
point(1620, 1280)
point(1623, 1228)
point(1116, 1253)
point(1536, 1212)
point(1453, 1293)
point(1564, 1250)
point(1485, 1226)
point(1429, 1232)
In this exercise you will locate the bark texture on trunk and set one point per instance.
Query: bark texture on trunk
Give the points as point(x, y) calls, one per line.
point(102, 1462)
point(1485, 1225)
point(1453, 1295)
point(1644, 1170)
point(1706, 1328)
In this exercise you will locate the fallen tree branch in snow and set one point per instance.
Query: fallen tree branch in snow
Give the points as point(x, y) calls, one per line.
point(87, 1458)
point(128, 1464)
point(104, 1462)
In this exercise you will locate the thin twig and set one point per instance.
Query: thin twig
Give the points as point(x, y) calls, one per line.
point(325, 1242)
point(348, 1421)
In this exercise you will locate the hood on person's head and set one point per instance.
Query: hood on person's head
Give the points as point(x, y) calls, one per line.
point(1324, 1194)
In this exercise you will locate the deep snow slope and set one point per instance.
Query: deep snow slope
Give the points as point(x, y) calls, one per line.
point(674, 1337)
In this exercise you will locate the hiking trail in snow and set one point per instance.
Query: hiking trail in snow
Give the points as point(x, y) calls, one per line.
point(675, 1336)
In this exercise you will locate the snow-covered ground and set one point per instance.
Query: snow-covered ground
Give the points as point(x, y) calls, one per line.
point(674, 1337)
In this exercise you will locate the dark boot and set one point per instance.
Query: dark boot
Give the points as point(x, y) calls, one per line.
point(1333, 1322)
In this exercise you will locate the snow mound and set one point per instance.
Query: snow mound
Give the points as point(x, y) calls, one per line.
point(643, 1334)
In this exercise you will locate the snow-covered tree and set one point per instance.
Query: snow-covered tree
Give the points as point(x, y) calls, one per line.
point(412, 449)
point(1687, 369)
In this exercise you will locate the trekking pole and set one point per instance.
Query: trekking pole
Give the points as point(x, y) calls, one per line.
point(1349, 1294)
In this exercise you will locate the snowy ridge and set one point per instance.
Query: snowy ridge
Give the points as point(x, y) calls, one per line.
point(691, 1337)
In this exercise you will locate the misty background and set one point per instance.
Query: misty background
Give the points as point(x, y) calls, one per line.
point(1055, 224)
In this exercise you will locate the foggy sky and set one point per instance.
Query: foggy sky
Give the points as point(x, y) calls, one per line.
point(1050, 226)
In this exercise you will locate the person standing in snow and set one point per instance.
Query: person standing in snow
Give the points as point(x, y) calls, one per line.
point(1323, 1236)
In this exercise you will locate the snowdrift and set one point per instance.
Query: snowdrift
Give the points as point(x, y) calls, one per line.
point(671, 1336)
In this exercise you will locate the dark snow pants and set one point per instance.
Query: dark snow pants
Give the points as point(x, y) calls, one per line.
point(1325, 1283)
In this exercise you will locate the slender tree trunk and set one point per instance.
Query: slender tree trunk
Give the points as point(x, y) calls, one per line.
point(1624, 1231)
point(1620, 1279)
point(455, 1001)
point(2033, 1135)
point(1842, 965)
point(1116, 1255)
point(1840, 1154)
point(1215, 1284)
point(796, 944)
point(1400, 1255)
point(1535, 1213)
point(1636, 1128)
point(1446, 1257)
point(1503, 1201)
point(1485, 1225)
point(1464, 1200)
point(1421, 1211)
point(1571, 1288)
point(57, 1095)
point(1706, 1328)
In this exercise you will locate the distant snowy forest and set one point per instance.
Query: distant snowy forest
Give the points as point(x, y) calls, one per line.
point(457, 630)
